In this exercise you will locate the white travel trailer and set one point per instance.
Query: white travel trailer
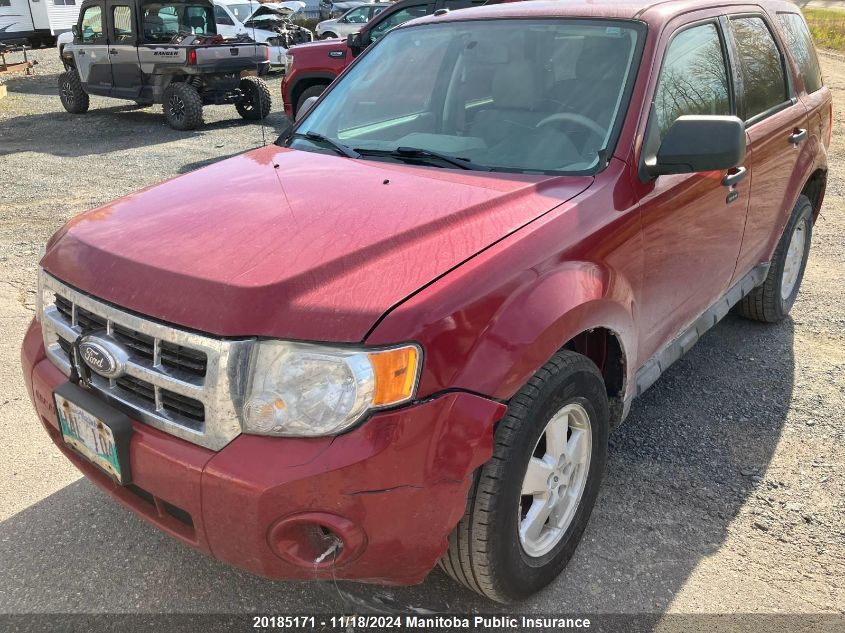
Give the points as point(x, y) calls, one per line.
point(36, 22)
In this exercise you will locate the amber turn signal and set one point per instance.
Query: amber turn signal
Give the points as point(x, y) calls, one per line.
point(395, 371)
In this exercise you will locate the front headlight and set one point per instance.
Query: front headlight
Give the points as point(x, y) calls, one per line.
point(300, 389)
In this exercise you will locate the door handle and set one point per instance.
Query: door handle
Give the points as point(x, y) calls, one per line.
point(734, 176)
point(81, 52)
point(113, 51)
point(797, 136)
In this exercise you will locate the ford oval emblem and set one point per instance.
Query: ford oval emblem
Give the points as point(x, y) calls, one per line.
point(104, 356)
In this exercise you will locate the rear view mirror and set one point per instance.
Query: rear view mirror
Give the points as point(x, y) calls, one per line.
point(77, 34)
point(305, 107)
point(698, 143)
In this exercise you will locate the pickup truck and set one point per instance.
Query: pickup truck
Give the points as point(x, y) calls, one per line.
point(309, 68)
point(168, 52)
point(401, 335)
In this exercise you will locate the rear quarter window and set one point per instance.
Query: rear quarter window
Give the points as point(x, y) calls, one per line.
point(801, 47)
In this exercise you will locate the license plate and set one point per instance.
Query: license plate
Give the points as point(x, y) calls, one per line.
point(94, 430)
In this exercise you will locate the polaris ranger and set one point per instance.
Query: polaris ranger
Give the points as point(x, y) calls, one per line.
point(162, 51)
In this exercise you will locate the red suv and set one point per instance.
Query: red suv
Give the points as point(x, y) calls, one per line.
point(402, 335)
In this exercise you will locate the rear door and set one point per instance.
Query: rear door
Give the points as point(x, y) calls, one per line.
point(776, 123)
point(92, 53)
point(123, 50)
point(811, 89)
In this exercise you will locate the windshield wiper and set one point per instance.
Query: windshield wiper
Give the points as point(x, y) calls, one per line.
point(340, 148)
point(418, 153)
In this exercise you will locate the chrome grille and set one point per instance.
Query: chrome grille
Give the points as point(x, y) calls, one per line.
point(187, 384)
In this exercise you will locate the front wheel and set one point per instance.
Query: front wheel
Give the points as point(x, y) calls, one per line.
point(255, 103)
point(182, 106)
point(529, 505)
point(772, 301)
point(73, 97)
point(313, 91)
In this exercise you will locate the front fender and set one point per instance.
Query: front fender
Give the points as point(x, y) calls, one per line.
point(539, 319)
point(488, 325)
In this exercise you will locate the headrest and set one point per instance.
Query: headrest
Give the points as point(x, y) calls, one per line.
point(513, 86)
point(196, 21)
point(602, 58)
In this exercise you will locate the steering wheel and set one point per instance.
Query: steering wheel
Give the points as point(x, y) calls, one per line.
point(571, 117)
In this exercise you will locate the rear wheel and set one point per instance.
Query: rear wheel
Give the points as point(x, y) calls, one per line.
point(73, 97)
point(529, 505)
point(328, 35)
point(256, 102)
point(772, 301)
point(313, 91)
point(182, 106)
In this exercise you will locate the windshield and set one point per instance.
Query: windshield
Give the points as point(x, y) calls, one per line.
point(162, 21)
point(243, 11)
point(507, 95)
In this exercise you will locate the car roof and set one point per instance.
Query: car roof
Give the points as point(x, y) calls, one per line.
point(655, 10)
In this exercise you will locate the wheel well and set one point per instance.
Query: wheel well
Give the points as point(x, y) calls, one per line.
point(304, 84)
point(603, 347)
point(814, 189)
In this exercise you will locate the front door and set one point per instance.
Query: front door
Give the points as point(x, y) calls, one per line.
point(692, 223)
point(92, 53)
point(123, 51)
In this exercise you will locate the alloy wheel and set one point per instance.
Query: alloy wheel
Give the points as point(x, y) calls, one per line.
point(555, 480)
point(794, 259)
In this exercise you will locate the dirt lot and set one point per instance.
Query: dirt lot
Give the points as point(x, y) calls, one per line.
point(724, 488)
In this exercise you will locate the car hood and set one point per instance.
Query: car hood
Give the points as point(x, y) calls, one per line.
point(320, 46)
point(284, 9)
point(293, 244)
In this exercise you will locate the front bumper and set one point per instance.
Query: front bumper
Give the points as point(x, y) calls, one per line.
point(390, 491)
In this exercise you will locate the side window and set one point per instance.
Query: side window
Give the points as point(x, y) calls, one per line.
point(357, 16)
point(197, 20)
point(122, 21)
point(803, 51)
point(221, 17)
point(761, 65)
point(92, 24)
point(400, 17)
point(694, 77)
point(58, 3)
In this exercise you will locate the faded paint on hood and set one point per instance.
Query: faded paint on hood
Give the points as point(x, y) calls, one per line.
point(293, 244)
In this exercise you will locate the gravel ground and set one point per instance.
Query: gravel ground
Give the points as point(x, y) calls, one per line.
point(723, 491)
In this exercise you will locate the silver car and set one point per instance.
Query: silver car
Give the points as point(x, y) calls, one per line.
point(350, 22)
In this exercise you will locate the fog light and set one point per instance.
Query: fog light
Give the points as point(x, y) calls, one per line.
point(316, 540)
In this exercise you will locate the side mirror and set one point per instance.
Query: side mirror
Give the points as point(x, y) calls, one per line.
point(697, 143)
point(355, 42)
point(305, 107)
point(77, 34)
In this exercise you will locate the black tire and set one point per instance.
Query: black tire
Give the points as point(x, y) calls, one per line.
point(485, 551)
point(73, 97)
point(182, 106)
point(256, 102)
point(767, 302)
point(313, 91)
point(329, 35)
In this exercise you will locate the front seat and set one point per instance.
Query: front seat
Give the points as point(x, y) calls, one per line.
point(594, 90)
point(514, 99)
